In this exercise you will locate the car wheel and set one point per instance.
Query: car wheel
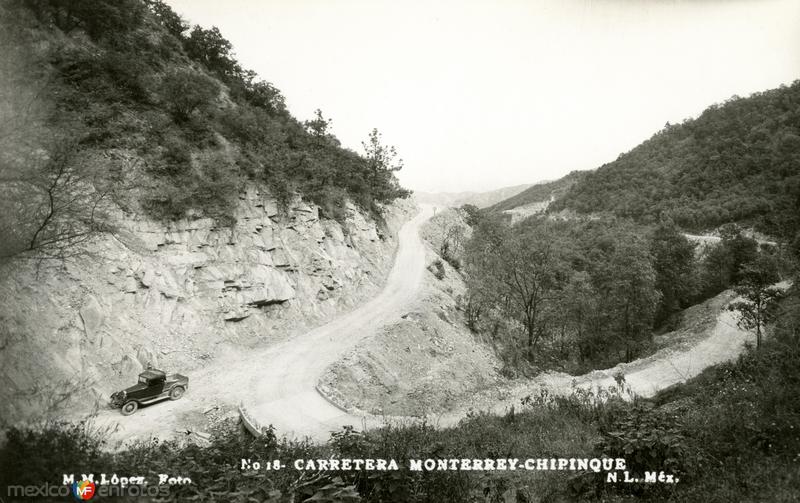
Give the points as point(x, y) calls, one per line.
point(129, 408)
point(176, 392)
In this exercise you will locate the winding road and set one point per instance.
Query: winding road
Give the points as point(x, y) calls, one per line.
point(277, 385)
point(284, 393)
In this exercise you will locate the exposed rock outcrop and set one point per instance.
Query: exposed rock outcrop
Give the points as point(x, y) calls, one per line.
point(175, 295)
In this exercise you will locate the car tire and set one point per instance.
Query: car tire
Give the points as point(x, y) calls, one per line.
point(176, 392)
point(129, 408)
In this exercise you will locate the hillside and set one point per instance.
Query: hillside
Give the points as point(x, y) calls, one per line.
point(479, 199)
point(159, 205)
point(538, 193)
point(124, 101)
point(737, 162)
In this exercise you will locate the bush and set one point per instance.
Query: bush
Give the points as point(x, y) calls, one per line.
point(109, 77)
point(449, 256)
point(184, 91)
point(437, 268)
point(177, 157)
point(648, 440)
point(50, 450)
point(98, 18)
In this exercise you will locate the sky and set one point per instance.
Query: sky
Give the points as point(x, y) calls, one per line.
point(478, 95)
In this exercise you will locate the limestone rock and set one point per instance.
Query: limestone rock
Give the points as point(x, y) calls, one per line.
point(92, 315)
point(145, 356)
point(128, 367)
point(186, 289)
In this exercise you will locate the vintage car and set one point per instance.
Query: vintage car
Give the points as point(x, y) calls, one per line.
point(153, 386)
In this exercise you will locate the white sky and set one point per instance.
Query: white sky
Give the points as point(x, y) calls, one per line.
point(478, 95)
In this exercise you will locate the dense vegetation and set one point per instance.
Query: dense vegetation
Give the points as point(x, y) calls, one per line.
point(729, 435)
point(737, 162)
point(579, 294)
point(157, 115)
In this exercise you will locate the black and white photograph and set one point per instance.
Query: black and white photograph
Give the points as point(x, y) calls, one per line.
point(478, 251)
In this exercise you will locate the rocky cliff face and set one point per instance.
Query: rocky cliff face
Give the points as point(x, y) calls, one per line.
point(177, 295)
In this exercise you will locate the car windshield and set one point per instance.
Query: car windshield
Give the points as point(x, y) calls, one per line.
point(142, 379)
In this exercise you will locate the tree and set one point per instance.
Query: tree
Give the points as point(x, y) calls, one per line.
point(185, 91)
point(674, 265)
point(380, 158)
point(758, 293)
point(264, 95)
point(530, 269)
point(320, 130)
point(722, 264)
point(742, 249)
point(452, 245)
point(51, 205)
point(213, 50)
point(381, 165)
point(579, 305)
point(481, 267)
point(168, 18)
point(472, 214)
point(628, 293)
point(474, 303)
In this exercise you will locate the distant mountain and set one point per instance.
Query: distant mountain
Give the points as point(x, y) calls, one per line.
point(737, 162)
point(479, 199)
point(537, 194)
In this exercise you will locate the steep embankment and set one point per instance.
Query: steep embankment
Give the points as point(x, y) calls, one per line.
point(179, 296)
point(424, 363)
point(427, 362)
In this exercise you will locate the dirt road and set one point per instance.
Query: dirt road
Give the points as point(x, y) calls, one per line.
point(277, 385)
point(644, 377)
point(283, 392)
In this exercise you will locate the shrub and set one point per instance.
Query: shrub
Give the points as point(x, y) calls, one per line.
point(98, 18)
point(183, 91)
point(177, 157)
point(437, 268)
point(648, 440)
point(109, 77)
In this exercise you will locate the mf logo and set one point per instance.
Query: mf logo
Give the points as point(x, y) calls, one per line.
point(83, 490)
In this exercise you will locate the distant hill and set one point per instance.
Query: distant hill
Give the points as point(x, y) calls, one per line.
point(479, 199)
point(737, 162)
point(538, 193)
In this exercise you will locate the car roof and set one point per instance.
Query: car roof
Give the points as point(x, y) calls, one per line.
point(153, 374)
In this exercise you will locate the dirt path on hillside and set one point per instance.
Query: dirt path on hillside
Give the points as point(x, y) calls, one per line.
point(645, 377)
point(276, 385)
